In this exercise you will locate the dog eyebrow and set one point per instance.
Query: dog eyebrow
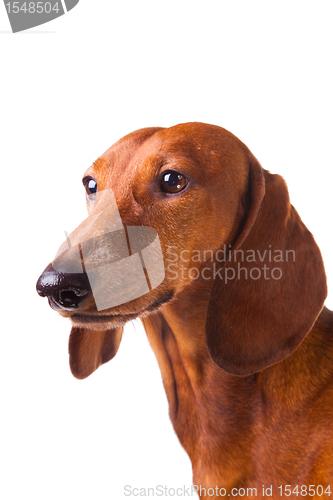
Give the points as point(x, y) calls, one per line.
point(97, 164)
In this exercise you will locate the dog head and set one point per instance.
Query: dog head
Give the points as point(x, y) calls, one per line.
point(179, 208)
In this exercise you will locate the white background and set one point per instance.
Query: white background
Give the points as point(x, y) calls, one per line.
point(69, 90)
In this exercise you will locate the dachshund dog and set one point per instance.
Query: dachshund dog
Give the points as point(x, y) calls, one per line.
point(238, 323)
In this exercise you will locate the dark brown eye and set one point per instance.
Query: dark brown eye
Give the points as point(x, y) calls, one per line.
point(173, 182)
point(91, 187)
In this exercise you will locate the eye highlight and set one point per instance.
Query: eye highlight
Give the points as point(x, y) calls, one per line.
point(90, 186)
point(173, 182)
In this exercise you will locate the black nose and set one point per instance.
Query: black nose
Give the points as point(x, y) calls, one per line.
point(65, 291)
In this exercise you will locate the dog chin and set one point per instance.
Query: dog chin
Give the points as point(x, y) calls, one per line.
point(102, 321)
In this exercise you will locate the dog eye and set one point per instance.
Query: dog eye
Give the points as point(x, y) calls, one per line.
point(173, 182)
point(91, 187)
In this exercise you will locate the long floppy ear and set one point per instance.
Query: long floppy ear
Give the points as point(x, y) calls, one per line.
point(89, 349)
point(272, 288)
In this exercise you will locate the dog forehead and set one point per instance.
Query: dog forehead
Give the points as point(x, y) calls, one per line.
point(198, 149)
point(115, 161)
point(207, 148)
point(125, 148)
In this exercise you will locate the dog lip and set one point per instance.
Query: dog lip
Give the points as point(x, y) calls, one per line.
point(95, 318)
point(160, 301)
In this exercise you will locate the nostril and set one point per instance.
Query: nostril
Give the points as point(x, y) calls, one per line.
point(71, 298)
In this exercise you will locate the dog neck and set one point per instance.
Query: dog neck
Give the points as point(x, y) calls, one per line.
point(224, 421)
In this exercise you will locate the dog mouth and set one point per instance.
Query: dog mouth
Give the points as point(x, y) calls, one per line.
point(103, 318)
point(121, 318)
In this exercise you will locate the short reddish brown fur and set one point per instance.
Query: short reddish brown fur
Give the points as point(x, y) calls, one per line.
point(248, 366)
